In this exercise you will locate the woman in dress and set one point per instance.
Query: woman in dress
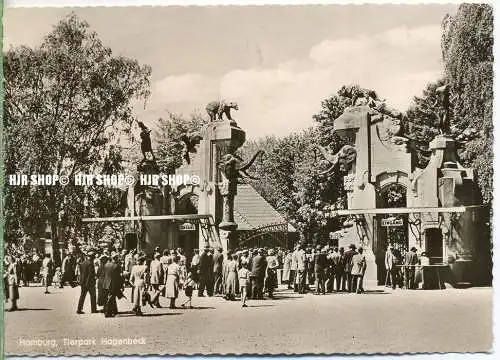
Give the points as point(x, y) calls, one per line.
point(157, 277)
point(172, 284)
point(231, 278)
point(287, 265)
point(137, 275)
point(182, 264)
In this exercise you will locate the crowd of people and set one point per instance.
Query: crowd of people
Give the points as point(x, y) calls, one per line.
point(247, 273)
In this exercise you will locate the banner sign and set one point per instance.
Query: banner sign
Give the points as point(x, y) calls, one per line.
point(392, 222)
point(187, 227)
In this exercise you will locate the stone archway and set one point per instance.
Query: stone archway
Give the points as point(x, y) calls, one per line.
point(392, 229)
point(188, 232)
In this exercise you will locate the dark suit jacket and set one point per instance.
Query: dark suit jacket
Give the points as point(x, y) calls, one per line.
point(218, 258)
point(112, 278)
point(87, 274)
point(320, 261)
point(347, 259)
point(411, 258)
point(206, 264)
point(259, 265)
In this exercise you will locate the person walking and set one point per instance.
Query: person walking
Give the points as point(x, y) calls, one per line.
point(101, 293)
point(157, 276)
point(87, 283)
point(287, 265)
point(293, 269)
point(391, 267)
point(137, 279)
point(172, 284)
point(12, 281)
point(113, 283)
point(244, 280)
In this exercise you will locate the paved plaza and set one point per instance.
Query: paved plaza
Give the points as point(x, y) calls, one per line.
point(382, 320)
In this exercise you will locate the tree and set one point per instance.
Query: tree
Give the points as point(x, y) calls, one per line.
point(65, 103)
point(467, 45)
point(421, 122)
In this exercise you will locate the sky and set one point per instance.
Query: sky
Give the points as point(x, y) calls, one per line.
point(277, 62)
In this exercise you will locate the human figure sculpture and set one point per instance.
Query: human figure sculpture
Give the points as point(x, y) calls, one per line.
point(443, 111)
point(216, 109)
point(146, 141)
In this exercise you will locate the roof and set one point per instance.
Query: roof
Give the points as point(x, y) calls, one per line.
point(252, 211)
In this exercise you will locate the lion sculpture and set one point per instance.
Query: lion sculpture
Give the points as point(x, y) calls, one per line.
point(216, 109)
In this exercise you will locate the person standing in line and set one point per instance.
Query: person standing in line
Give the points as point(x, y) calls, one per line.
point(259, 265)
point(172, 284)
point(271, 280)
point(320, 266)
point(358, 266)
point(137, 276)
point(348, 266)
point(244, 277)
point(411, 260)
point(87, 283)
point(205, 269)
point(231, 278)
point(217, 271)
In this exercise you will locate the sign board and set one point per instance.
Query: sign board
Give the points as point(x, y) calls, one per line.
point(187, 227)
point(392, 222)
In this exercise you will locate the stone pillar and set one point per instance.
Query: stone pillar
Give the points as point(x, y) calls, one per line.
point(218, 191)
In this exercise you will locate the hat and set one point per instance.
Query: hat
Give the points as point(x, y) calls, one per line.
point(260, 251)
point(103, 257)
point(352, 246)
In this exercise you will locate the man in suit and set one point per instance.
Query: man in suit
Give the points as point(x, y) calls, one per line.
point(205, 269)
point(112, 285)
point(259, 265)
point(217, 273)
point(87, 283)
point(301, 269)
point(411, 259)
point(348, 266)
point(320, 265)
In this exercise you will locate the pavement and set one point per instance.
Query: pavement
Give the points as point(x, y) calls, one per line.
point(380, 321)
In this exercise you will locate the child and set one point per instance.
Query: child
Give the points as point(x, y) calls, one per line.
point(57, 277)
point(188, 289)
point(244, 277)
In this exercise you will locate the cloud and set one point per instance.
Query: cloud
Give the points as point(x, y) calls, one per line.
point(397, 63)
